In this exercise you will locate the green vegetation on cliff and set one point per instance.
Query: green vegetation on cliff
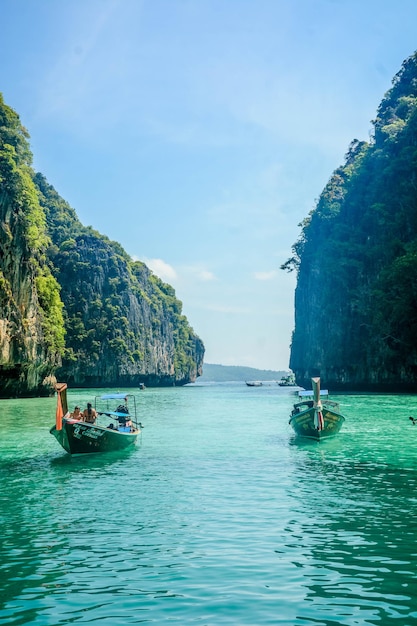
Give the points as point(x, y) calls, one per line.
point(24, 237)
point(356, 258)
point(72, 301)
point(124, 325)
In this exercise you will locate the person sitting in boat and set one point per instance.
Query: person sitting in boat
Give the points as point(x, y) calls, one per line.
point(89, 414)
point(125, 423)
point(76, 415)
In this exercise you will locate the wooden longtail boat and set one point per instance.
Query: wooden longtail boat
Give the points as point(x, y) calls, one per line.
point(109, 431)
point(316, 416)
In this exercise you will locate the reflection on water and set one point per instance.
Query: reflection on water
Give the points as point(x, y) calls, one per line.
point(220, 516)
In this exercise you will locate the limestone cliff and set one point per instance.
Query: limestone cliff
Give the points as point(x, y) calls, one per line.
point(24, 358)
point(31, 323)
point(72, 302)
point(124, 326)
point(356, 258)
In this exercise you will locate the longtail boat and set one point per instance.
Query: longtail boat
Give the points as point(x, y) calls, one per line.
point(316, 416)
point(100, 429)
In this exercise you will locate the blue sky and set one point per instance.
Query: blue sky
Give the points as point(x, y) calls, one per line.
point(200, 133)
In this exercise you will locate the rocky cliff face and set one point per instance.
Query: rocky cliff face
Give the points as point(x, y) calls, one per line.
point(24, 358)
point(72, 302)
point(31, 324)
point(123, 324)
point(356, 294)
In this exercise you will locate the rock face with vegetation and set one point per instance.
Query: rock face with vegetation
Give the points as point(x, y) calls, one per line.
point(356, 258)
point(73, 304)
point(31, 318)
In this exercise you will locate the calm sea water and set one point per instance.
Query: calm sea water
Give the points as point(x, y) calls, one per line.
point(219, 516)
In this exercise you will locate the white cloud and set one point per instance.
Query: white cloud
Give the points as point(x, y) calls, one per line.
point(161, 269)
point(199, 273)
point(184, 273)
point(265, 275)
point(206, 275)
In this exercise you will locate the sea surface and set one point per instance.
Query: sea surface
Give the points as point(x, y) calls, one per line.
point(219, 516)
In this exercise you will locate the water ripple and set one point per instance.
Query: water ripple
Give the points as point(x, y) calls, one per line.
point(217, 518)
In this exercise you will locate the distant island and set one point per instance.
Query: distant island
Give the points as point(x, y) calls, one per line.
point(230, 373)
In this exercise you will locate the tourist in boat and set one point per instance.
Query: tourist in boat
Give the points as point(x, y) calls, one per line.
point(89, 414)
point(125, 423)
point(76, 415)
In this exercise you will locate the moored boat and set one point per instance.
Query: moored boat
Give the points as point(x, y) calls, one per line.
point(316, 416)
point(97, 430)
point(288, 381)
point(254, 383)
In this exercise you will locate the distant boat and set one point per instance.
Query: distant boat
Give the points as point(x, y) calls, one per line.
point(109, 430)
point(288, 381)
point(254, 383)
point(316, 416)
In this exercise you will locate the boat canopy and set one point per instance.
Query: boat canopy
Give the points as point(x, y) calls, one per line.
point(310, 393)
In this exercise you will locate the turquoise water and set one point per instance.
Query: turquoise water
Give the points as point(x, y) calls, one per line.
point(219, 516)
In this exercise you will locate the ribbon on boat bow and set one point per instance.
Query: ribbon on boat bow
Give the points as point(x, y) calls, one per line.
point(318, 420)
point(318, 417)
point(318, 407)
